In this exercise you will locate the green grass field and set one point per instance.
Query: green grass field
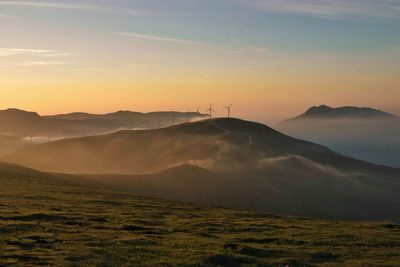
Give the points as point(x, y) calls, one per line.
point(44, 222)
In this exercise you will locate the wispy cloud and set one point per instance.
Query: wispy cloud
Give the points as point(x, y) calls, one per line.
point(2, 16)
point(330, 9)
point(53, 4)
point(160, 39)
point(97, 6)
point(33, 57)
point(245, 48)
point(5, 52)
point(143, 65)
point(41, 63)
point(240, 47)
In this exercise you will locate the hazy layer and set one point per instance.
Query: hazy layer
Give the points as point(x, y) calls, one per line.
point(228, 162)
point(375, 140)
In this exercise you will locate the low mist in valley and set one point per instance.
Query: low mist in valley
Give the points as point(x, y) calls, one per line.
point(375, 140)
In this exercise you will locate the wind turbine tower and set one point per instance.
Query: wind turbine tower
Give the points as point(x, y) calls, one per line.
point(210, 111)
point(229, 108)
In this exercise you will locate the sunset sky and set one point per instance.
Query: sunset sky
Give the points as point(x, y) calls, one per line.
point(271, 59)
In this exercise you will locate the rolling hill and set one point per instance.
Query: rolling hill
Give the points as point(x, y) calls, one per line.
point(228, 162)
point(205, 143)
point(9, 144)
point(363, 133)
point(129, 119)
point(30, 124)
point(48, 221)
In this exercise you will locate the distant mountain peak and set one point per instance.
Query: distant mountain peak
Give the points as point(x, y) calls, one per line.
point(14, 112)
point(319, 108)
point(324, 111)
point(124, 112)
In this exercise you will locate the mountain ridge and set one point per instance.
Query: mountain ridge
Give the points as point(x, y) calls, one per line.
point(30, 124)
point(327, 112)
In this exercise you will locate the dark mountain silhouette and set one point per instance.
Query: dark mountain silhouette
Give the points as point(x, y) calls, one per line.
point(29, 124)
point(17, 114)
point(323, 111)
point(364, 133)
point(130, 119)
point(228, 162)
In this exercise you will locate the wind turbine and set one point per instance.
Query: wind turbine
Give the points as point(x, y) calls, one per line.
point(228, 108)
point(210, 110)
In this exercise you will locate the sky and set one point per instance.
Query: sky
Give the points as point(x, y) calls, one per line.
point(271, 59)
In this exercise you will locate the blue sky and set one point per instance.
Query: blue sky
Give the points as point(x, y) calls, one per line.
point(291, 24)
point(258, 38)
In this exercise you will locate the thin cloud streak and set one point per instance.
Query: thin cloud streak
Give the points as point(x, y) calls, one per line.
point(23, 51)
point(160, 39)
point(330, 9)
point(88, 6)
point(46, 5)
point(2, 16)
point(41, 63)
point(7, 52)
point(241, 50)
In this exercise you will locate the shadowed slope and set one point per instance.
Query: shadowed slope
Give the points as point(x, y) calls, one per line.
point(17, 173)
point(183, 183)
point(283, 185)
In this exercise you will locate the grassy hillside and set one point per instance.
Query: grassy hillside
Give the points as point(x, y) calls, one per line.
point(47, 221)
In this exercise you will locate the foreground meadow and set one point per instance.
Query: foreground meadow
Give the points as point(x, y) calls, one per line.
point(50, 222)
